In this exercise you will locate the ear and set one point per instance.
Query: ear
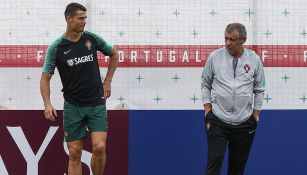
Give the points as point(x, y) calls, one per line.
point(243, 40)
point(68, 18)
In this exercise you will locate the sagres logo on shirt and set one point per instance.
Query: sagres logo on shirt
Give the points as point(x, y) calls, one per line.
point(79, 60)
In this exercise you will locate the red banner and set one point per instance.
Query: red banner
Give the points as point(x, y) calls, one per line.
point(160, 55)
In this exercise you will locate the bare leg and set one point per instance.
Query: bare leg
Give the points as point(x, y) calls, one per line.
point(75, 151)
point(99, 152)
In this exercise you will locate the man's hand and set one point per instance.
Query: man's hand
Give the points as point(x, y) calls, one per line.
point(106, 89)
point(50, 112)
point(208, 108)
point(114, 57)
point(256, 114)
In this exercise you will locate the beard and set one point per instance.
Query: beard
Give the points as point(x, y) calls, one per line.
point(79, 29)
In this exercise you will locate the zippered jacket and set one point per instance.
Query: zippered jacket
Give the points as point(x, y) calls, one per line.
point(233, 93)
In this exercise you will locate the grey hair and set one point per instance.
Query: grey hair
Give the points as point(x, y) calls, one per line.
point(240, 27)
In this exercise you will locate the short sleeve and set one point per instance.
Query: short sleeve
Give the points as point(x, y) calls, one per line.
point(103, 46)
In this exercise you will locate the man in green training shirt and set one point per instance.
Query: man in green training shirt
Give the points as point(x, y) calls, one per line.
point(75, 56)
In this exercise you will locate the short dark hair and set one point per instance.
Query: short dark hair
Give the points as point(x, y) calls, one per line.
point(72, 8)
point(240, 27)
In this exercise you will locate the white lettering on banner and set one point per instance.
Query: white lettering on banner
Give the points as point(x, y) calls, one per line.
point(159, 56)
point(172, 57)
point(305, 55)
point(27, 152)
point(185, 57)
point(106, 58)
point(3, 169)
point(134, 55)
point(121, 57)
point(197, 58)
point(39, 55)
point(146, 55)
point(264, 55)
point(85, 157)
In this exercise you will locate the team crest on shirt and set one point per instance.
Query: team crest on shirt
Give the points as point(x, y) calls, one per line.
point(70, 62)
point(88, 44)
point(247, 68)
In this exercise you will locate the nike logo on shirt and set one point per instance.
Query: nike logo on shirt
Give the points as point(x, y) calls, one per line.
point(66, 52)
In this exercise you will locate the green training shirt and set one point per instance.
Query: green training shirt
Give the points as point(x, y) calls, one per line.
point(78, 67)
